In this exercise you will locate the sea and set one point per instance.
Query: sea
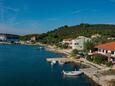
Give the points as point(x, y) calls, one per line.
point(24, 65)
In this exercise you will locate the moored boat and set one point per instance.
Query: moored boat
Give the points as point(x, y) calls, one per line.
point(72, 73)
point(53, 62)
point(61, 63)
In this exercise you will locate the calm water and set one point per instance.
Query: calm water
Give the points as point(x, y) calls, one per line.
point(27, 66)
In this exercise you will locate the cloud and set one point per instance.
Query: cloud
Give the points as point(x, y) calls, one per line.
point(78, 11)
point(5, 28)
point(21, 27)
point(84, 10)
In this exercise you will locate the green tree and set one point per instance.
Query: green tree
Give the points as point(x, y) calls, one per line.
point(74, 52)
point(89, 45)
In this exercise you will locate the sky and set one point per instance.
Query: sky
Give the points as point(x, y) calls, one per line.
point(39, 16)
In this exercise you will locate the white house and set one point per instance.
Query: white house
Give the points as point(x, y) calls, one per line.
point(78, 43)
point(3, 37)
point(107, 49)
point(67, 41)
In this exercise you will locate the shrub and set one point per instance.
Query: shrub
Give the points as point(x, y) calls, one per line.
point(62, 46)
point(99, 59)
point(109, 64)
point(74, 52)
point(89, 58)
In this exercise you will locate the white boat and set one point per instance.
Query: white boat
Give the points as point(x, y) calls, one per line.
point(53, 62)
point(61, 63)
point(40, 47)
point(72, 73)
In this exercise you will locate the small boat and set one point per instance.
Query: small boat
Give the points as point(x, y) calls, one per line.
point(53, 62)
point(72, 73)
point(40, 47)
point(61, 63)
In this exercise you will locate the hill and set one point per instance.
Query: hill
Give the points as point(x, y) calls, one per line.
point(55, 36)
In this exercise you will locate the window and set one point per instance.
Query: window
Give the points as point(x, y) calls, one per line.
point(75, 43)
point(112, 52)
point(106, 51)
point(99, 50)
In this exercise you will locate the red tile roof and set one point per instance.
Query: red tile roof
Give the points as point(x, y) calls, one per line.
point(108, 46)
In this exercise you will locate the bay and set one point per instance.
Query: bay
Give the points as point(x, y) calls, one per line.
point(22, 65)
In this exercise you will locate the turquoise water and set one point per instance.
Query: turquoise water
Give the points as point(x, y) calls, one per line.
point(22, 65)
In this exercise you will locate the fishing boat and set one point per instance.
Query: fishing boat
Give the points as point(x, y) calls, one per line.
point(72, 73)
point(61, 63)
point(53, 62)
point(40, 47)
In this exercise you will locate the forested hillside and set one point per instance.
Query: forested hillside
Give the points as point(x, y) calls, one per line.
point(55, 36)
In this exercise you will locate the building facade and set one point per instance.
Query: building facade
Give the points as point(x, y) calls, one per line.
point(67, 41)
point(2, 37)
point(107, 49)
point(78, 43)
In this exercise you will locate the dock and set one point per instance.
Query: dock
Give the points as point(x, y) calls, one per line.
point(63, 60)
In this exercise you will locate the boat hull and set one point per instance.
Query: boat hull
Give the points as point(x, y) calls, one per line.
point(72, 73)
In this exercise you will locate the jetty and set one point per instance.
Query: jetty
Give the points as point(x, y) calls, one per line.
point(62, 60)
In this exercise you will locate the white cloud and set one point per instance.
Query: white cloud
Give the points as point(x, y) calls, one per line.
point(84, 10)
point(26, 28)
point(78, 11)
point(5, 28)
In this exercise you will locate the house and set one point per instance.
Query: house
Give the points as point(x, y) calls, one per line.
point(8, 37)
point(67, 41)
point(107, 49)
point(78, 43)
point(2, 37)
point(95, 36)
point(33, 38)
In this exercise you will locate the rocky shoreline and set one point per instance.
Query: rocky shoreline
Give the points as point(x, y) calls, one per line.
point(55, 49)
point(94, 72)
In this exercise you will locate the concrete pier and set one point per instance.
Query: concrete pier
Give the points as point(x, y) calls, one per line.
point(62, 60)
